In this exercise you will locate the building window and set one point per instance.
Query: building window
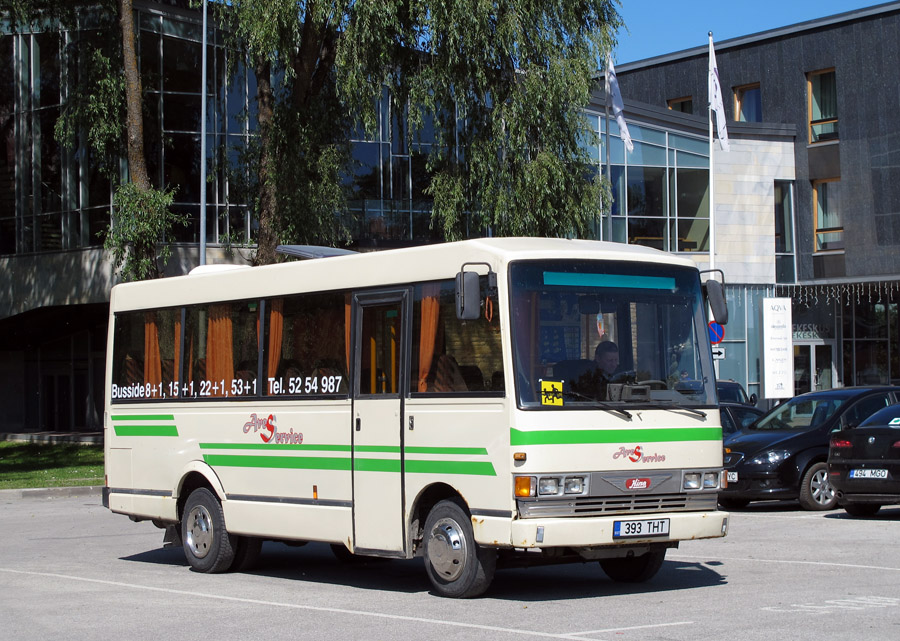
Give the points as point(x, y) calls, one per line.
point(823, 116)
point(748, 103)
point(827, 208)
point(785, 266)
point(684, 105)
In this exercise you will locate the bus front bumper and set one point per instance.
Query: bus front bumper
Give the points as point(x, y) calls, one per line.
point(577, 532)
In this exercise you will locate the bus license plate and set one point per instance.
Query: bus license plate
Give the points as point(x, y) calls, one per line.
point(868, 474)
point(644, 528)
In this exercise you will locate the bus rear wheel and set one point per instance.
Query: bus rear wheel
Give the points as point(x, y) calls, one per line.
point(634, 569)
point(207, 545)
point(457, 566)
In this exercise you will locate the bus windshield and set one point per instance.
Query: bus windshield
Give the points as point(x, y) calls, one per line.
point(604, 333)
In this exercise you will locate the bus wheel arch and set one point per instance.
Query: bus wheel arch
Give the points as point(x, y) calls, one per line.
point(422, 505)
point(195, 475)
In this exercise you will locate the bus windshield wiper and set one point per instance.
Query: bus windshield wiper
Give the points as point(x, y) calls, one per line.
point(596, 403)
point(672, 405)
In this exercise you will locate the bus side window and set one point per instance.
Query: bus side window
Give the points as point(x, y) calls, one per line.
point(305, 345)
point(145, 348)
point(453, 356)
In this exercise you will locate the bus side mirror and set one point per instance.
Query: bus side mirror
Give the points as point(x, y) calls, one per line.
point(468, 296)
point(715, 296)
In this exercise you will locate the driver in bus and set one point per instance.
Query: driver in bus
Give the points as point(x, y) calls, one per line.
point(606, 355)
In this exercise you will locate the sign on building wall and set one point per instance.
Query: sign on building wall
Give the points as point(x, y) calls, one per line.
point(778, 353)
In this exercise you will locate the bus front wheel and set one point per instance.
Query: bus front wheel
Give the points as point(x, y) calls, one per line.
point(634, 569)
point(207, 545)
point(457, 566)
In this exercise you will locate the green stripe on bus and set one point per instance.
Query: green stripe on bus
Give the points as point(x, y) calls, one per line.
point(475, 468)
point(275, 446)
point(376, 465)
point(279, 462)
point(472, 451)
point(585, 437)
point(143, 417)
point(146, 430)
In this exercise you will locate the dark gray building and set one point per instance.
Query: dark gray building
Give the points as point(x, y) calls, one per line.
point(836, 81)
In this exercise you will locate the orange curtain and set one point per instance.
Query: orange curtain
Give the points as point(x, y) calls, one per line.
point(428, 334)
point(219, 341)
point(152, 359)
point(276, 334)
point(177, 359)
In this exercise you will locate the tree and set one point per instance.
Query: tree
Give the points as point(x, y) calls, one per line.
point(504, 83)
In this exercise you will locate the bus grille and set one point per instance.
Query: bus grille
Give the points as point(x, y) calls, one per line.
point(606, 505)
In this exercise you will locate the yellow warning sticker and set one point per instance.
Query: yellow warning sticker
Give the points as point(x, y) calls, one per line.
point(551, 393)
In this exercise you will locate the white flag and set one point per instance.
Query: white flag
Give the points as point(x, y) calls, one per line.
point(715, 97)
point(612, 91)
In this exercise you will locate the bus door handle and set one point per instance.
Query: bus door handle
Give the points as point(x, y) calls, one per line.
point(412, 423)
point(358, 423)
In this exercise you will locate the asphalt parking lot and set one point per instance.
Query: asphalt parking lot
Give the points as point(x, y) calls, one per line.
point(69, 567)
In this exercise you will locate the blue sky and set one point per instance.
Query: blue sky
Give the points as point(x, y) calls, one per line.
point(656, 27)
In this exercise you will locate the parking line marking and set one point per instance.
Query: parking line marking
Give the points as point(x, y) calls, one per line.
point(379, 615)
point(853, 566)
point(635, 627)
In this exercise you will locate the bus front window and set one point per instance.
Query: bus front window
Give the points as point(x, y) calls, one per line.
point(613, 332)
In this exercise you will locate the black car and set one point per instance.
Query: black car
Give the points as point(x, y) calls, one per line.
point(730, 391)
point(783, 455)
point(737, 416)
point(864, 463)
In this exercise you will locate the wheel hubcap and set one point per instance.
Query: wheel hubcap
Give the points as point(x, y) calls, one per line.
point(199, 531)
point(822, 491)
point(447, 549)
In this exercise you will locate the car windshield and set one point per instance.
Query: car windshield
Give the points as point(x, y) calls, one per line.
point(603, 333)
point(731, 393)
point(800, 413)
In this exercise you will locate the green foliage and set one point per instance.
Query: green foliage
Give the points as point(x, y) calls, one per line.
point(518, 74)
point(142, 218)
point(96, 106)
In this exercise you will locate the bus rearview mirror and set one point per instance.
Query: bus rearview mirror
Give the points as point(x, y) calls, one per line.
point(468, 296)
point(715, 296)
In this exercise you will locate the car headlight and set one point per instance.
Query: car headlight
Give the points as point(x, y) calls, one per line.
point(772, 457)
point(710, 480)
point(548, 485)
point(691, 481)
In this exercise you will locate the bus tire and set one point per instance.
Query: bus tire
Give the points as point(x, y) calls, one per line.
point(207, 544)
point(457, 566)
point(634, 569)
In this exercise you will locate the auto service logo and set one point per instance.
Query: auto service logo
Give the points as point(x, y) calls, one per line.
point(636, 455)
point(266, 427)
point(637, 484)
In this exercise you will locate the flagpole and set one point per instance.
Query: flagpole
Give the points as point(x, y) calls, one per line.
point(712, 191)
point(606, 219)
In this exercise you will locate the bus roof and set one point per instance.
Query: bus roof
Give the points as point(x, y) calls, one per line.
point(370, 269)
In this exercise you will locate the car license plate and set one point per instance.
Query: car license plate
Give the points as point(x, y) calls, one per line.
point(732, 477)
point(868, 474)
point(644, 528)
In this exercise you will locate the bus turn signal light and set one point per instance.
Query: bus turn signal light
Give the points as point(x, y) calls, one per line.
point(525, 486)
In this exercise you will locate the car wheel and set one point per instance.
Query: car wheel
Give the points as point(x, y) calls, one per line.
point(861, 509)
point(733, 504)
point(816, 492)
point(634, 569)
point(456, 565)
point(207, 544)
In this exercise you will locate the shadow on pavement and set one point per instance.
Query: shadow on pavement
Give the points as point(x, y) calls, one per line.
point(315, 563)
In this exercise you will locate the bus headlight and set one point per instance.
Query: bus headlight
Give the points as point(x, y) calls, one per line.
point(710, 480)
point(691, 481)
point(548, 485)
point(574, 485)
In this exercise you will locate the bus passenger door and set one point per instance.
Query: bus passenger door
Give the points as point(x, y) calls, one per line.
point(379, 354)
